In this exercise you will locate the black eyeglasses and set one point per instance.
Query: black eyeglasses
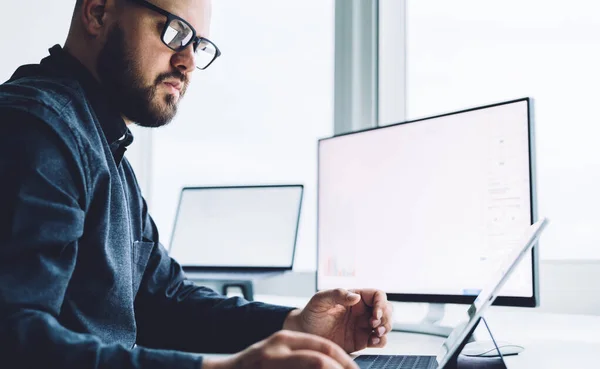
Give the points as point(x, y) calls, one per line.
point(178, 34)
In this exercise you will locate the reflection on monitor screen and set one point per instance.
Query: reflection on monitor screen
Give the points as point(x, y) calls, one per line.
point(427, 207)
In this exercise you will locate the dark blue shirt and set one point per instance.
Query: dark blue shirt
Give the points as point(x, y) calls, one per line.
point(84, 280)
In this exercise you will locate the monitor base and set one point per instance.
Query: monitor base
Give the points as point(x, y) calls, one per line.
point(223, 280)
point(430, 324)
point(488, 349)
point(423, 328)
point(222, 286)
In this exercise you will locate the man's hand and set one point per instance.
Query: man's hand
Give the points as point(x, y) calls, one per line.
point(287, 349)
point(353, 319)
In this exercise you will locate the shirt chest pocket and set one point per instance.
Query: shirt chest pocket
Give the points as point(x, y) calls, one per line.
point(141, 254)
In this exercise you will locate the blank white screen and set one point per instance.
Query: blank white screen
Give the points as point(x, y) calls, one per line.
point(237, 227)
point(426, 207)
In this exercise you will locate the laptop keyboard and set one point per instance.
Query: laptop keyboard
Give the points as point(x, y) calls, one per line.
point(395, 362)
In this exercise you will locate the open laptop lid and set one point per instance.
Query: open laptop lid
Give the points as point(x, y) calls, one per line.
point(460, 335)
point(237, 228)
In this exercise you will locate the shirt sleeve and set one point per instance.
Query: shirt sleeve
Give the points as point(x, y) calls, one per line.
point(41, 221)
point(172, 312)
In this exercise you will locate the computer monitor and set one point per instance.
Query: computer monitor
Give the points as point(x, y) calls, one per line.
point(237, 228)
point(422, 209)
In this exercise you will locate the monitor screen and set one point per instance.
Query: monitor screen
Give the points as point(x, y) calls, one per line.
point(424, 209)
point(237, 227)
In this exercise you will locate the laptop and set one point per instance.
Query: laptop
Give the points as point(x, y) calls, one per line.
point(451, 348)
point(236, 232)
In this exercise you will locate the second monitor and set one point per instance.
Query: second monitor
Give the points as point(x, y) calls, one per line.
point(422, 210)
point(237, 228)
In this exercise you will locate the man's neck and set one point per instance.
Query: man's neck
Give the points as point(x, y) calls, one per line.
point(88, 60)
point(86, 57)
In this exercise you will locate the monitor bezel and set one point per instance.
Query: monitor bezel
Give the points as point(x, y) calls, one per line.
point(206, 268)
point(517, 301)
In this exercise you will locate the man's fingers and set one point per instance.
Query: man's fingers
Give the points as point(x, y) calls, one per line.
point(297, 341)
point(380, 304)
point(375, 341)
point(388, 327)
point(367, 294)
point(302, 359)
point(375, 299)
point(387, 318)
point(382, 330)
point(338, 296)
point(374, 322)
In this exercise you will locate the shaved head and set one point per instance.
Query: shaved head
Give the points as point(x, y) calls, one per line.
point(121, 42)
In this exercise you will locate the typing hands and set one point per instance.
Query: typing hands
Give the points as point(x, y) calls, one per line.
point(320, 336)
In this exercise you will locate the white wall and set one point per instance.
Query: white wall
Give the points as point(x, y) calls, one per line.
point(466, 53)
point(255, 115)
point(27, 31)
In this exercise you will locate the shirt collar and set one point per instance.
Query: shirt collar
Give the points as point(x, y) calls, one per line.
point(115, 130)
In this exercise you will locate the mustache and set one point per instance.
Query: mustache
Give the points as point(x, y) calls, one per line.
point(175, 74)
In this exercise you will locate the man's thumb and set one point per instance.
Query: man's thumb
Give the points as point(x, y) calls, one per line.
point(345, 297)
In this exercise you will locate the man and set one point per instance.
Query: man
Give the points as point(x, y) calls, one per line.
point(84, 281)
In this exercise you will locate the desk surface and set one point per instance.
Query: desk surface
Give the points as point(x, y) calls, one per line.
point(550, 340)
point(538, 353)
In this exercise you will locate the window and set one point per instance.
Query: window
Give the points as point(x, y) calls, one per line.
point(255, 115)
point(466, 53)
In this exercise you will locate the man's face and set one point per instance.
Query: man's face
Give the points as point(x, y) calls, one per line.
point(143, 76)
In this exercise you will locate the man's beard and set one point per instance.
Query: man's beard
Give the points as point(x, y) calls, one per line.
point(124, 85)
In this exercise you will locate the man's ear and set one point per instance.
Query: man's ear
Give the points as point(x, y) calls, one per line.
point(96, 15)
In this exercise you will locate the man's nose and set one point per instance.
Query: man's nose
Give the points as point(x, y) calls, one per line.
point(185, 60)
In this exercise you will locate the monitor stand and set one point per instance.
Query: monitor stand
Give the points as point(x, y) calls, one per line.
point(223, 280)
point(246, 286)
point(430, 324)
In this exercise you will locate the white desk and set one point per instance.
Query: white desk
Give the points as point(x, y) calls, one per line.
point(538, 354)
point(550, 340)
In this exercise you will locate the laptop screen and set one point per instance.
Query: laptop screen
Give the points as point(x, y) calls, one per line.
point(237, 227)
